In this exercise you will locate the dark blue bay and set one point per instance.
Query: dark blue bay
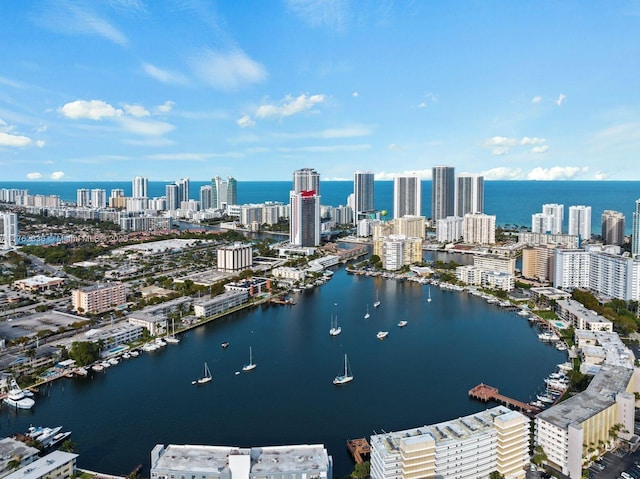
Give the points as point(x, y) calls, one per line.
point(419, 375)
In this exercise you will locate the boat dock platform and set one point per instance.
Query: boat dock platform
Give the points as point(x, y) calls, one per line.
point(484, 392)
point(359, 448)
point(282, 300)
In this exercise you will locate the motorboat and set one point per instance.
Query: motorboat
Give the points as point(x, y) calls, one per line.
point(46, 436)
point(346, 376)
point(367, 315)
point(114, 361)
point(58, 439)
point(402, 324)
point(134, 354)
point(382, 334)
point(545, 399)
point(225, 345)
point(98, 367)
point(16, 397)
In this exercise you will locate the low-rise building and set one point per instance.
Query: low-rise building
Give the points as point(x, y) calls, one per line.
point(205, 308)
point(38, 283)
point(545, 297)
point(492, 262)
point(57, 464)
point(11, 449)
point(580, 317)
point(117, 334)
point(496, 439)
point(154, 323)
point(286, 272)
point(253, 286)
point(276, 462)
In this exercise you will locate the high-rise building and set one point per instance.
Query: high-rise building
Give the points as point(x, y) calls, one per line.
point(206, 197)
point(172, 195)
point(580, 221)
point(306, 179)
point(363, 191)
point(83, 197)
point(9, 225)
point(407, 196)
point(469, 194)
point(442, 192)
point(116, 193)
point(479, 228)
point(557, 213)
point(224, 192)
point(140, 187)
point(635, 234)
point(612, 227)
point(98, 198)
point(183, 190)
point(304, 219)
point(235, 257)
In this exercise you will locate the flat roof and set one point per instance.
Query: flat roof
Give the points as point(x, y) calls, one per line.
point(43, 466)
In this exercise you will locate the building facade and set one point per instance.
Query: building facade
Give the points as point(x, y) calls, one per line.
point(556, 212)
point(9, 233)
point(99, 298)
point(304, 218)
point(235, 257)
point(363, 195)
point(580, 221)
point(205, 308)
point(442, 192)
point(140, 187)
point(612, 227)
point(407, 196)
point(479, 228)
point(306, 179)
point(469, 194)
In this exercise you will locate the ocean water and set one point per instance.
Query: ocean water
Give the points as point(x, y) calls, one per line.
point(419, 374)
point(513, 202)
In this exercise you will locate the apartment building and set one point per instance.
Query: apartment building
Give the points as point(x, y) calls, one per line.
point(99, 298)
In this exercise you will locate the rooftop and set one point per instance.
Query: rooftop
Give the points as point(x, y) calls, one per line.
point(43, 466)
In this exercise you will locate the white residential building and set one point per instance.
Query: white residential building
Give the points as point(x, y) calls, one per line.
point(407, 195)
point(557, 213)
point(235, 257)
point(9, 233)
point(449, 229)
point(479, 228)
point(205, 308)
point(580, 221)
point(469, 447)
point(571, 269)
point(495, 263)
point(612, 227)
point(469, 194)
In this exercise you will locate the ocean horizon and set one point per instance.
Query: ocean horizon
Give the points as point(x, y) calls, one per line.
point(512, 201)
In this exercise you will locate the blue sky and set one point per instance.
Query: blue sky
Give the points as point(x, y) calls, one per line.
point(107, 90)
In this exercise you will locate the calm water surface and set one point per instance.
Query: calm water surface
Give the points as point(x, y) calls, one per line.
point(419, 375)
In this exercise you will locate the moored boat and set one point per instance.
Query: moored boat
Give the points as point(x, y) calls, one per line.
point(17, 398)
point(346, 376)
point(382, 334)
point(402, 324)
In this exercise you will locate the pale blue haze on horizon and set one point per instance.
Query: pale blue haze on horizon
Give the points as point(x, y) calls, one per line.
point(107, 90)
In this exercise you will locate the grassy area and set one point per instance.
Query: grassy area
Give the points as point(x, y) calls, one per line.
point(547, 315)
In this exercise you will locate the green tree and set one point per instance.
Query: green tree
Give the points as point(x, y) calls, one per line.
point(84, 352)
point(362, 470)
point(496, 475)
point(69, 446)
point(539, 456)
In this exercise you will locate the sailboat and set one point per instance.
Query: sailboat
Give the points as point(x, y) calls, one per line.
point(367, 315)
point(251, 365)
point(172, 339)
point(335, 329)
point(377, 303)
point(206, 376)
point(429, 295)
point(347, 376)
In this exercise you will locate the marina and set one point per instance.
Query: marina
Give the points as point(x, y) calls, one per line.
point(242, 408)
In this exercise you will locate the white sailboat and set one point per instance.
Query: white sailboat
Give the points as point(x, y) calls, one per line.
point(206, 376)
point(367, 315)
point(346, 376)
point(428, 295)
point(335, 329)
point(172, 339)
point(377, 303)
point(251, 365)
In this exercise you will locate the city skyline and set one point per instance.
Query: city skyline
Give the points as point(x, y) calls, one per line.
point(109, 90)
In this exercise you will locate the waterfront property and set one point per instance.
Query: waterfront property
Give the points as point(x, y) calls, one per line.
point(11, 449)
point(58, 464)
point(580, 317)
point(205, 308)
point(574, 431)
point(226, 462)
point(471, 447)
point(99, 298)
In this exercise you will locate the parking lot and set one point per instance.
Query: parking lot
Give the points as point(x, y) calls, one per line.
point(614, 463)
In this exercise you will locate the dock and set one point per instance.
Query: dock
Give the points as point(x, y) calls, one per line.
point(484, 392)
point(358, 449)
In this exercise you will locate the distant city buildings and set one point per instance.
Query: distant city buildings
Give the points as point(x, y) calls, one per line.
point(612, 227)
point(83, 197)
point(442, 192)
point(224, 192)
point(556, 214)
point(407, 195)
point(580, 221)
point(139, 187)
point(306, 179)
point(98, 198)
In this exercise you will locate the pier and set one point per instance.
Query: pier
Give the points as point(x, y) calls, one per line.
point(484, 392)
point(359, 448)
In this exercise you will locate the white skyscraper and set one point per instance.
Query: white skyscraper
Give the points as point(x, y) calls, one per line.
point(612, 227)
point(183, 190)
point(304, 218)
point(9, 233)
point(479, 228)
point(363, 191)
point(557, 212)
point(172, 195)
point(407, 196)
point(469, 194)
point(140, 187)
point(206, 197)
point(224, 192)
point(83, 197)
point(635, 234)
point(98, 198)
point(306, 179)
point(580, 221)
point(443, 191)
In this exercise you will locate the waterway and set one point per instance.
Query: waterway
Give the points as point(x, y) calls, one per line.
point(419, 375)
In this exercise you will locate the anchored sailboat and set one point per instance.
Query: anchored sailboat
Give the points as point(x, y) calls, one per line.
point(251, 365)
point(346, 376)
point(206, 376)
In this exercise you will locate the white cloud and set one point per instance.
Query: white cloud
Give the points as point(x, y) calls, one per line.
point(536, 99)
point(422, 105)
point(540, 149)
point(333, 14)
point(34, 175)
point(327, 148)
point(502, 173)
point(146, 127)
point(561, 99)
point(556, 173)
point(600, 175)
point(136, 110)
point(7, 139)
point(532, 141)
point(390, 175)
point(192, 156)
point(620, 137)
point(40, 143)
point(166, 107)
point(228, 71)
point(92, 109)
point(164, 76)
point(289, 106)
point(245, 121)
point(57, 175)
point(354, 94)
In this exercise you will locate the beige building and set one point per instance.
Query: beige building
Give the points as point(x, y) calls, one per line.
point(495, 263)
point(397, 251)
point(479, 228)
point(235, 257)
point(99, 298)
point(38, 283)
point(469, 447)
point(537, 262)
point(57, 464)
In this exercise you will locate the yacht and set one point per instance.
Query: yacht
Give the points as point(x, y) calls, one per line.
point(402, 324)
point(46, 436)
point(98, 367)
point(17, 398)
point(382, 334)
point(545, 399)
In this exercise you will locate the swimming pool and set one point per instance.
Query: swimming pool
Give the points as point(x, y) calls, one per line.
point(116, 350)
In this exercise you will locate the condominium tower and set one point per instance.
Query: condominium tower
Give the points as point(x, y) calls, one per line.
point(183, 190)
point(304, 218)
point(556, 212)
point(407, 196)
point(224, 192)
point(612, 227)
point(140, 187)
point(635, 234)
point(442, 192)
point(9, 225)
point(363, 194)
point(580, 221)
point(469, 194)
point(306, 179)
